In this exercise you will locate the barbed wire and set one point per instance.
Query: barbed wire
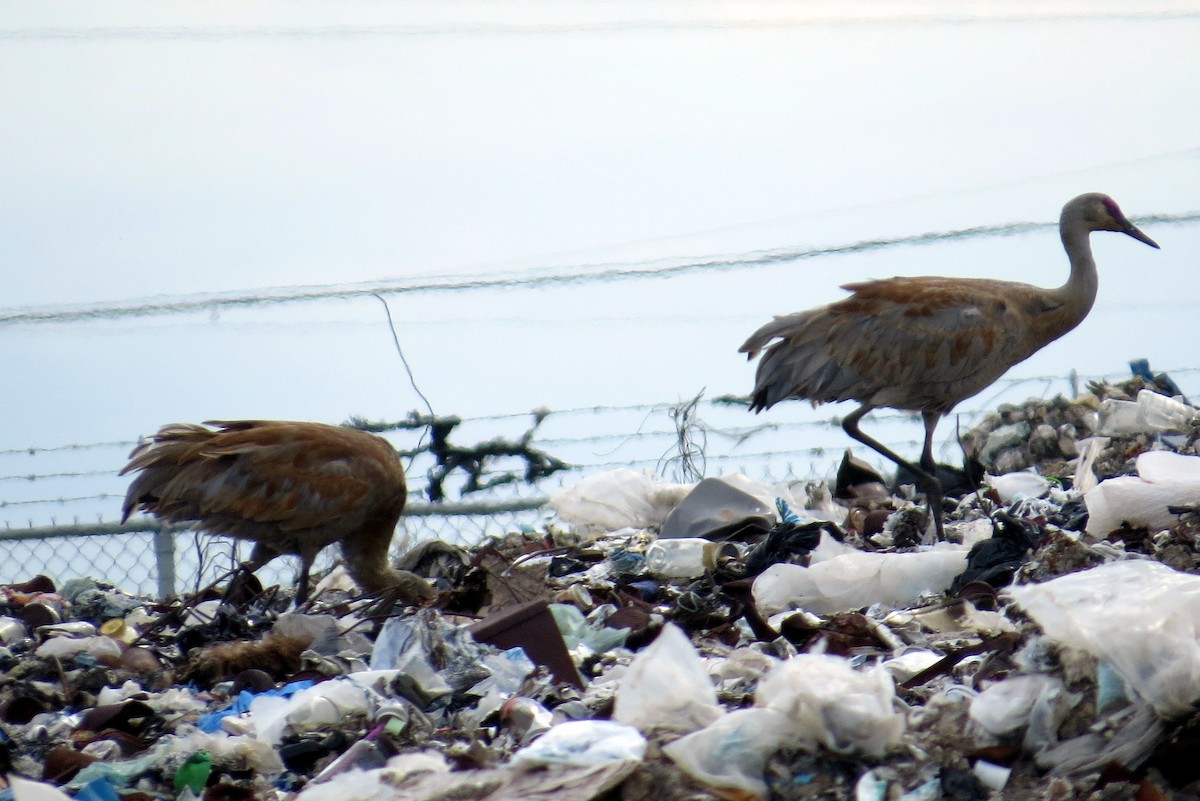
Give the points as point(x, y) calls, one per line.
point(566, 276)
point(415, 422)
point(559, 28)
point(681, 440)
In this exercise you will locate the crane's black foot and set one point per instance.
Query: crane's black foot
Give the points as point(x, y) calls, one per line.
point(934, 499)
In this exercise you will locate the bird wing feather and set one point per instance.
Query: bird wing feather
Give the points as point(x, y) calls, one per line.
point(918, 343)
point(292, 476)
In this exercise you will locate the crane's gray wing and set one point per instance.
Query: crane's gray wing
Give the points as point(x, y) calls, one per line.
point(910, 343)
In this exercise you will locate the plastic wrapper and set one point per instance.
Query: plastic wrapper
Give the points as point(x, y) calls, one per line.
point(323, 705)
point(102, 648)
point(583, 742)
point(576, 630)
point(1163, 479)
point(811, 700)
point(856, 579)
point(1006, 707)
point(732, 752)
point(617, 499)
point(1139, 616)
point(667, 686)
point(831, 703)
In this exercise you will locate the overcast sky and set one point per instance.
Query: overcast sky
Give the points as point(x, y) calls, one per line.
point(155, 150)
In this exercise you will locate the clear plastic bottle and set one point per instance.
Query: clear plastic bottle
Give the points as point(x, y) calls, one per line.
point(1163, 413)
point(682, 557)
point(686, 557)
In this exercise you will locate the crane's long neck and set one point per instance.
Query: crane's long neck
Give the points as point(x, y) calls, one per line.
point(366, 554)
point(1079, 292)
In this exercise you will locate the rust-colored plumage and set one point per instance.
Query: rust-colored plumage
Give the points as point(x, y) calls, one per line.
point(924, 344)
point(291, 488)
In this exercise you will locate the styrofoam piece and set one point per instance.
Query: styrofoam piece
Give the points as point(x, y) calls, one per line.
point(1139, 616)
point(856, 579)
point(991, 775)
point(1164, 479)
point(909, 664)
point(1165, 467)
point(1021, 484)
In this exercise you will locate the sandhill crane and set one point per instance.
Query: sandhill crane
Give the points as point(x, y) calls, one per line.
point(924, 344)
point(292, 488)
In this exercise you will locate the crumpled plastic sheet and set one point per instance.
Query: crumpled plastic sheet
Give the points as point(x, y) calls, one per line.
point(666, 686)
point(323, 705)
point(211, 722)
point(809, 700)
point(617, 499)
point(846, 710)
point(581, 743)
point(1034, 703)
point(1139, 616)
point(732, 753)
point(857, 579)
point(421, 777)
point(1129, 744)
point(28, 790)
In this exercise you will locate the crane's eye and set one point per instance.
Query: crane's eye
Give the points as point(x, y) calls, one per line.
point(1111, 207)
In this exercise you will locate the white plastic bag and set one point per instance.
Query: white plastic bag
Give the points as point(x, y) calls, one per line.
point(318, 707)
point(1141, 617)
point(831, 703)
point(732, 753)
point(583, 742)
point(1005, 707)
point(810, 700)
point(617, 499)
point(857, 579)
point(667, 687)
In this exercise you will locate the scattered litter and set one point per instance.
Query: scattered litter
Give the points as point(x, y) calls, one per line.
point(728, 639)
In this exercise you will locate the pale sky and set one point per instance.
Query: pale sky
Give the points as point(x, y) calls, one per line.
point(155, 150)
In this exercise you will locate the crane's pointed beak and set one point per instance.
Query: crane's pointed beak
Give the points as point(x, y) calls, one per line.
point(1136, 233)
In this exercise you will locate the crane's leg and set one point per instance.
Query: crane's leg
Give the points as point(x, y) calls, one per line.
point(934, 492)
point(929, 483)
point(301, 598)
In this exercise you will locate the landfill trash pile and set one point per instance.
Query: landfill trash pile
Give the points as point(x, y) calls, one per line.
point(727, 639)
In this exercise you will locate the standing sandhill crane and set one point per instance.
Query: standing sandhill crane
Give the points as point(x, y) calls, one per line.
point(292, 488)
point(924, 344)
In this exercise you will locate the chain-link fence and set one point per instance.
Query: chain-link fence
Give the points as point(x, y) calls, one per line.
point(160, 561)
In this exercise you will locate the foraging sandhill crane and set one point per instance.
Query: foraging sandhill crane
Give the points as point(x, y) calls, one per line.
point(924, 344)
point(292, 488)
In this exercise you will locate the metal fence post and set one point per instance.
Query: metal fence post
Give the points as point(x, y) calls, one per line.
point(164, 557)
